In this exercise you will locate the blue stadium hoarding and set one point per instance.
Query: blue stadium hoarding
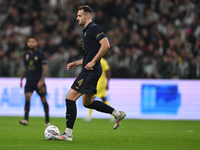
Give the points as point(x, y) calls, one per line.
point(141, 99)
point(160, 99)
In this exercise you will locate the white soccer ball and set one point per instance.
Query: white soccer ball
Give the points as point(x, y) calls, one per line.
point(51, 130)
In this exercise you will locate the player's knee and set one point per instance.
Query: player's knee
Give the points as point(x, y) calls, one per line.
point(28, 98)
point(103, 99)
point(43, 99)
point(85, 104)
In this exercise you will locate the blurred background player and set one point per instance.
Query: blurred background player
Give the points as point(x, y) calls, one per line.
point(102, 87)
point(35, 68)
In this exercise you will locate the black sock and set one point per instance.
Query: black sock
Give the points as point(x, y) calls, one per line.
point(100, 106)
point(46, 111)
point(27, 109)
point(71, 112)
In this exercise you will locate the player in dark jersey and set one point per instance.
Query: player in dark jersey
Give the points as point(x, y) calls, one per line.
point(35, 68)
point(94, 45)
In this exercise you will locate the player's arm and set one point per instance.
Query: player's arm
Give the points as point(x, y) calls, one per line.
point(105, 45)
point(44, 72)
point(72, 65)
point(22, 76)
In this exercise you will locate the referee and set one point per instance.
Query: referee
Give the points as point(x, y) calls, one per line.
point(94, 45)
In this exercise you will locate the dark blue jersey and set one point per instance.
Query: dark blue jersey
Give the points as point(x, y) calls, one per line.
point(33, 63)
point(92, 35)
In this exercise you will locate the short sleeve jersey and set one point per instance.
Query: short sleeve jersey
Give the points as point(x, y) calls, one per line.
point(92, 35)
point(33, 63)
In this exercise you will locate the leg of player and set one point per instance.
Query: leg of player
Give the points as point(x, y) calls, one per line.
point(89, 118)
point(105, 101)
point(112, 119)
point(88, 102)
point(42, 91)
point(71, 113)
point(26, 109)
point(46, 110)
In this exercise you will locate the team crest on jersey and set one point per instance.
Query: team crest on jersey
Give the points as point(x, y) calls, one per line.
point(27, 57)
point(36, 58)
point(84, 34)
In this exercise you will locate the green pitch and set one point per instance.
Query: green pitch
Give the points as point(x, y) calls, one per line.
point(99, 135)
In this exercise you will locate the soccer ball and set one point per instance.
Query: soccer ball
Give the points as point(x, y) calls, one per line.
point(51, 130)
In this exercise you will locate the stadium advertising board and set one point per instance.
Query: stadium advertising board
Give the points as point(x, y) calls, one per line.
point(140, 99)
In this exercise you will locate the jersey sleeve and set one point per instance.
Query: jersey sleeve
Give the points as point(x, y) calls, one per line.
point(97, 33)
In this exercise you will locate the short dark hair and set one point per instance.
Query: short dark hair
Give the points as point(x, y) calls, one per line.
point(86, 8)
point(32, 37)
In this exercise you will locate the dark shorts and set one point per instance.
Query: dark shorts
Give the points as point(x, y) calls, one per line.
point(30, 87)
point(86, 82)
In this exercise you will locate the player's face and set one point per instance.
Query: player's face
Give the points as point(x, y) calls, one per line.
point(81, 18)
point(32, 43)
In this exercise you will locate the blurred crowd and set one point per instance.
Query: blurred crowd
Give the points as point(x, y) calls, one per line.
point(149, 38)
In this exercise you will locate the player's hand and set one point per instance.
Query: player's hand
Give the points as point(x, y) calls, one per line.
point(71, 66)
point(40, 84)
point(89, 66)
point(21, 84)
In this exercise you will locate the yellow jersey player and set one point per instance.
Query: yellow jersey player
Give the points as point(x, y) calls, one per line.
point(102, 87)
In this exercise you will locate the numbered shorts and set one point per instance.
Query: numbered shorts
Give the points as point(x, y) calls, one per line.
point(86, 82)
point(30, 87)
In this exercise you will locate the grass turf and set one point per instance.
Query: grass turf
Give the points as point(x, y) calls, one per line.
point(99, 135)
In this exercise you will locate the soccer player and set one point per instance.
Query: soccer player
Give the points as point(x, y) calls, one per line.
point(94, 45)
point(102, 87)
point(35, 68)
